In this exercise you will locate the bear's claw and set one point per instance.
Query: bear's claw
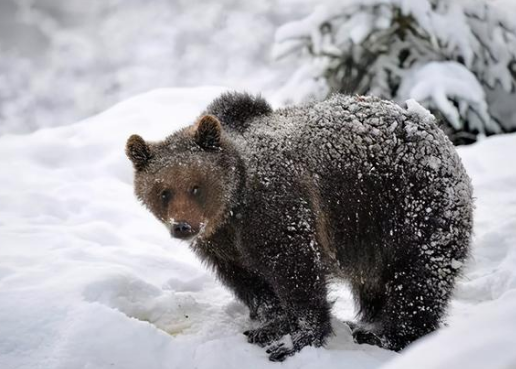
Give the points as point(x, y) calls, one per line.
point(263, 336)
point(279, 352)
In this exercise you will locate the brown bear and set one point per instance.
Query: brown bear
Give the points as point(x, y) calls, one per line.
point(278, 202)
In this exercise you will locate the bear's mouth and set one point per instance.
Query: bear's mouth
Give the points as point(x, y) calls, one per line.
point(189, 240)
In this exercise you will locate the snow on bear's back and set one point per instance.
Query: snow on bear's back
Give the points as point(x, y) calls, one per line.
point(365, 131)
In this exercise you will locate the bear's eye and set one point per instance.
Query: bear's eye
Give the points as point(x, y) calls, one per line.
point(165, 196)
point(196, 191)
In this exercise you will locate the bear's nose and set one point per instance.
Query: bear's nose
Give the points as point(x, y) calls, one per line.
point(182, 230)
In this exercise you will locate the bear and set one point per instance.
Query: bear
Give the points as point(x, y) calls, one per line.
point(279, 203)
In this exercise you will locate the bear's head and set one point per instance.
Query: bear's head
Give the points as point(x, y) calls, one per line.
point(189, 181)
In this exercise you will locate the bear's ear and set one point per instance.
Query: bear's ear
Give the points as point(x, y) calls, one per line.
point(208, 132)
point(138, 151)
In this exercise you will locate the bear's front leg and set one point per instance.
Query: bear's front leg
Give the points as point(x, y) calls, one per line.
point(290, 259)
point(308, 321)
point(251, 289)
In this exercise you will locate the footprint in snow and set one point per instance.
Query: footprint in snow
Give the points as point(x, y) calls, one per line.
point(174, 313)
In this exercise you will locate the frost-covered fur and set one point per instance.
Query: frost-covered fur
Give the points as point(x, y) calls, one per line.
point(352, 187)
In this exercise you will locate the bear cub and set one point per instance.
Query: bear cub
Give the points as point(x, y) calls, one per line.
point(279, 202)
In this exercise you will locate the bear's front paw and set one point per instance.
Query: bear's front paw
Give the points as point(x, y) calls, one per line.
point(266, 334)
point(300, 339)
point(279, 352)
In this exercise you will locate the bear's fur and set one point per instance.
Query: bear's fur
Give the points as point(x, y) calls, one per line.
point(278, 202)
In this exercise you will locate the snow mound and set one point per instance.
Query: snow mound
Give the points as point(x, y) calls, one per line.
point(88, 279)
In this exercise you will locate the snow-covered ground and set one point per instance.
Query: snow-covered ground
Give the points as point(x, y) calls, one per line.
point(88, 279)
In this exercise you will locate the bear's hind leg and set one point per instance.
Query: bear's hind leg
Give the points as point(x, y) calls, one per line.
point(370, 299)
point(420, 286)
point(415, 305)
point(410, 307)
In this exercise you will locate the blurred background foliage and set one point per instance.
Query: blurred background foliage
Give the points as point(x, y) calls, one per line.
point(457, 58)
point(62, 61)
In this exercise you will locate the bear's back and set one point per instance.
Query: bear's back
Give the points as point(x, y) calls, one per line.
point(351, 131)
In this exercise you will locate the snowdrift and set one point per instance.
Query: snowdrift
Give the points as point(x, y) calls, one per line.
point(88, 279)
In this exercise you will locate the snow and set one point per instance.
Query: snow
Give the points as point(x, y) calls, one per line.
point(414, 107)
point(440, 83)
point(300, 28)
point(88, 279)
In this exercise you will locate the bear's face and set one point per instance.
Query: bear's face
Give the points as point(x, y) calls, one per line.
point(186, 180)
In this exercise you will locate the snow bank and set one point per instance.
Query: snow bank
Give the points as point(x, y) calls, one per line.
point(88, 279)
